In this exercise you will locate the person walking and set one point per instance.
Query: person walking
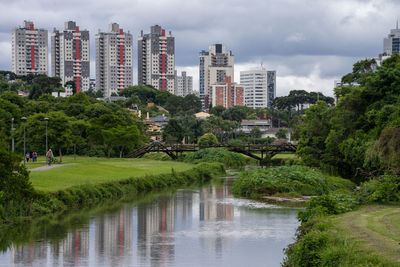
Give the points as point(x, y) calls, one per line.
point(27, 156)
point(49, 157)
point(34, 156)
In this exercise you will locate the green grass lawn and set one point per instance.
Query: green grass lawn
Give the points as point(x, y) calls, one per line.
point(98, 170)
point(285, 156)
point(377, 228)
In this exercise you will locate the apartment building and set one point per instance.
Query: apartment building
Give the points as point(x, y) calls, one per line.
point(70, 56)
point(214, 65)
point(259, 87)
point(114, 60)
point(156, 59)
point(184, 84)
point(29, 50)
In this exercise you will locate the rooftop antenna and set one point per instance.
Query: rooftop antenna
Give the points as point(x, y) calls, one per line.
point(262, 63)
point(397, 24)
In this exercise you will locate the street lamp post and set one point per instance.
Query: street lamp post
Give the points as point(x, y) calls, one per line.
point(12, 134)
point(23, 119)
point(47, 122)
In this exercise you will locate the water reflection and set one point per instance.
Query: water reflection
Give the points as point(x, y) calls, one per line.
point(192, 227)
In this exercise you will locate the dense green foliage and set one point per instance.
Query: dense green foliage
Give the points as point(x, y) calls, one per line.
point(359, 137)
point(16, 191)
point(229, 159)
point(287, 179)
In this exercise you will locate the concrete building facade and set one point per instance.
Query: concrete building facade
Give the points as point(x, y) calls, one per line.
point(156, 59)
point(214, 65)
point(184, 84)
point(114, 60)
point(70, 56)
point(227, 93)
point(29, 50)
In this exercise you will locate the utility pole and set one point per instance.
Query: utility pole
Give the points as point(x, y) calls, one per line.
point(23, 119)
point(47, 122)
point(12, 135)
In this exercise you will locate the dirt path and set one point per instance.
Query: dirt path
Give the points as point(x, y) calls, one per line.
point(45, 168)
point(372, 226)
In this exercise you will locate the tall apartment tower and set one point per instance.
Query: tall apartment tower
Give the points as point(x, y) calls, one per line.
point(156, 59)
point(214, 66)
point(184, 84)
point(114, 60)
point(391, 44)
point(259, 87)
point(70, 56)
point(29, 50)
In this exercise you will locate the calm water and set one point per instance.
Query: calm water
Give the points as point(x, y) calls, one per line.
point(196, 227)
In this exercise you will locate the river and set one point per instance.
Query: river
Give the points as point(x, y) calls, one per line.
point(191, 227)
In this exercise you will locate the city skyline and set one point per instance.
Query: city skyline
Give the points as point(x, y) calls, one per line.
point(295, 42)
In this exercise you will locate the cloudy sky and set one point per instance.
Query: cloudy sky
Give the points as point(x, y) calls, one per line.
point(310, 43)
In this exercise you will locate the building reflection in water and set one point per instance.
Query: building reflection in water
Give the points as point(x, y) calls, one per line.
point(155, 227)
point(142, 234)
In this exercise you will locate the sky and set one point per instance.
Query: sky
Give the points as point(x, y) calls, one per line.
point(310, 43)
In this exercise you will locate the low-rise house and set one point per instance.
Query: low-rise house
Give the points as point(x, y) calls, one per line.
point(248, 125)
point(202, 115)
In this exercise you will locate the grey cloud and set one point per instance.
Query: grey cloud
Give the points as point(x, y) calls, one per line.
point(292, 36)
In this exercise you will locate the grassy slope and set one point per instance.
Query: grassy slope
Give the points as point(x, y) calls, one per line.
point(99, 170)
point(377, 228)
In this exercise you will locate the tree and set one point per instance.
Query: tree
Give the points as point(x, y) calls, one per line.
point(207, 140)
point(191, 104)
point(78, 133)
point(255, 132)
point(313, 133)
point(14, 182)
point(281, 134)
point(173, 131)
point(217, 111)
point(71, 84)
point(122, 138)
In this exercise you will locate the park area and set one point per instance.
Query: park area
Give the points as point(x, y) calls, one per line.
point(87, 170)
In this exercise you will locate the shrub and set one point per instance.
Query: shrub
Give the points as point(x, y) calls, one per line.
point(207, 140)
point(303, 180)
point(228, 158)
point(384, 189)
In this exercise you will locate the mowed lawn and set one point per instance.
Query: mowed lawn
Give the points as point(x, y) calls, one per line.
point(377, 228)
point(98, 170)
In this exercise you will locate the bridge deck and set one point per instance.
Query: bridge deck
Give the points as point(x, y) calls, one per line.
point(248, 149)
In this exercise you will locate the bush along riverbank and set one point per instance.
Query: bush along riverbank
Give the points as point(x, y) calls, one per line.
point(288, 181)
point(90, 194)
point(360, 228)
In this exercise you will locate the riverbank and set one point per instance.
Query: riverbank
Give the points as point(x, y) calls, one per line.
point(87, 170)
point(359, 228)
point(57, 196)
point(368, 236)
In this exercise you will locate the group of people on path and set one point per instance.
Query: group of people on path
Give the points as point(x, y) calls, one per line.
point(33, 156)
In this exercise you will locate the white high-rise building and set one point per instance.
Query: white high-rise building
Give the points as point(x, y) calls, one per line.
point(259, 87)
point(184, 84)
point(29, 50)
point(70, 56)
point(156, 59)
point(214, 65)
point(114, 60)
point(391, 44)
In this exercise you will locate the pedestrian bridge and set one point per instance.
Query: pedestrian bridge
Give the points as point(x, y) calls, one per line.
point(257, 152)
